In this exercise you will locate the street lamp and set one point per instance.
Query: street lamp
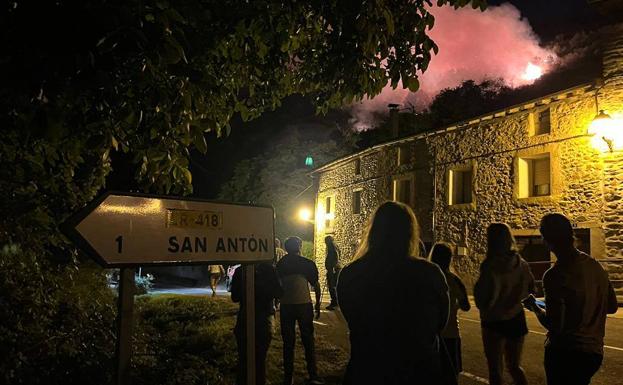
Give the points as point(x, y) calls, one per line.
point(608, 136)
point(607, 132)
point(305, 214)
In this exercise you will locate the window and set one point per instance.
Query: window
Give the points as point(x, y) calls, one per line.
point(357, 202)
point(357, 166)
point(329, 212)
point(582, 239)
point(541, 123)
point(533, 249)
point(460, 186)
point(402, 190)
point(404, 154)
point(534, 176)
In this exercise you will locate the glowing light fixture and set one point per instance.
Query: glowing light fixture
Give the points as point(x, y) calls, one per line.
point(305, 214)
point(606, 131)
point(309, 161)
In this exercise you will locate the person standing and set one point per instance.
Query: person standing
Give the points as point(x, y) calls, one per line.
point(578, 295)
point(395, 304)
point(332, 265)
point(441, 255)
point(216, 273)
point(267, 289)
point(505, 280)
point(297, 273)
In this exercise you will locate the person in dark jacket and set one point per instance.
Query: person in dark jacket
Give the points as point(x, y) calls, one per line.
point(505, 280)
point(441, 255)
point(267, 289)
point(578, 295)
point(332, 265)
point(297, 273)
point(395, 303)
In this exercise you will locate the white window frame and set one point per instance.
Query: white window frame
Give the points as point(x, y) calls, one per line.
point(355, 191)
point(396, 183)
point(534, 121)
point(329, 213)
point(450, 185)
point(525, 171)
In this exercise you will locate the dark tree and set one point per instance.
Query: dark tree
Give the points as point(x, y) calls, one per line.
point(82, 80)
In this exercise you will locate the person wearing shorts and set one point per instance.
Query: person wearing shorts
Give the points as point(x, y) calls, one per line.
point(216, 273)
point(505, 280)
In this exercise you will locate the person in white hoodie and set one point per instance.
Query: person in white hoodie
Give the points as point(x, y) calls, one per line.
point(505, 280)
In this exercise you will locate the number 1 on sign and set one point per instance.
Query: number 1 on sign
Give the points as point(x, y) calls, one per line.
point(119, 241)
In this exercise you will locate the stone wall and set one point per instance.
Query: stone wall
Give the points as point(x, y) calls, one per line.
point(492, 149)
point(378, 169)
point(586, 185)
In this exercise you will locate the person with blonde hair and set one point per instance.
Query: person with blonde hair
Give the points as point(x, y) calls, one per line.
point(395, 303)
point(505, 280)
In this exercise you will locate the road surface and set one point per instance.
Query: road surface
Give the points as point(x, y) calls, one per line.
point(474, 364)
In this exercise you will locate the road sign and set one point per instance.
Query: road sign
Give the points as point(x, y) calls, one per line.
point(122, 229)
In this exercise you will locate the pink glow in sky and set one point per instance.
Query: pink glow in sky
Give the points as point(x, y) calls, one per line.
point(473, 45)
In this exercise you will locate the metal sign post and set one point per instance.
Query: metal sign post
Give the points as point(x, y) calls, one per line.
point(128, 230)
point(249, 274)
point(125, 310)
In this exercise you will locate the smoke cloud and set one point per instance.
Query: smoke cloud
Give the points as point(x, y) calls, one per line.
point(473, 45)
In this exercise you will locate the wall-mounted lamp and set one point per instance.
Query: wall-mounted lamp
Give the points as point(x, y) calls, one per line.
point(607, 131)
point(600, 127)
point(305, 214)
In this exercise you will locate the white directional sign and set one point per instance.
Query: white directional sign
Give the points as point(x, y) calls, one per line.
point(132, 229)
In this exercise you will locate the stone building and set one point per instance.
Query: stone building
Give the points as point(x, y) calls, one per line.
point(513, 165)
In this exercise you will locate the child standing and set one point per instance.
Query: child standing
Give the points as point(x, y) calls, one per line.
point(441, 255)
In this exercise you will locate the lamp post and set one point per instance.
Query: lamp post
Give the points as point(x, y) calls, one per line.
point(601, 127)
point(607, 132)
point(305, 214)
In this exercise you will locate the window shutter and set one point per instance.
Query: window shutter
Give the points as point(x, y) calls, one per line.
point(357, 202)
point(466, 186)
point(544, 122)
point(541, 176)
point(461, 186)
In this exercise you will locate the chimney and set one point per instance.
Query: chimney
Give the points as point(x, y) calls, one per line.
point(393, 117)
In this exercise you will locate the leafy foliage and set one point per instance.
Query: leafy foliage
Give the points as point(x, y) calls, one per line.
point(468, 100)
point(451, 105)
point(57, 325)
point(84, 80)
point(280, 178)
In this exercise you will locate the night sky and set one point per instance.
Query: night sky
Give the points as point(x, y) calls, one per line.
point(550, 18)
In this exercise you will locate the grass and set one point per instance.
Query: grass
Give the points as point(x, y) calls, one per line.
point(189, 340)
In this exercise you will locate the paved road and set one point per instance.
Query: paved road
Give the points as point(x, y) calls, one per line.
point(611, 372)
point(333, 325)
